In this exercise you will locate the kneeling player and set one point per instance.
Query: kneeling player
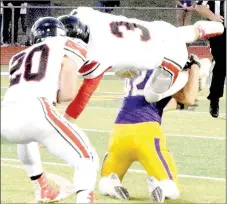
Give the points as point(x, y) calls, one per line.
point(137, 136)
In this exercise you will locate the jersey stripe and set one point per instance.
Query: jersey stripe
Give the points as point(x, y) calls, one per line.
point(76, 47)
point(64, 130)
point(171, 67)
point(88, 67)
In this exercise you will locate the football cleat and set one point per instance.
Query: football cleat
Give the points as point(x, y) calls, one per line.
point(85, 197)
point(44, 192)
point(111, 186)
point(155, 189)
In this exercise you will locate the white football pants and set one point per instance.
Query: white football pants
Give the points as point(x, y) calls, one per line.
point(36, 120)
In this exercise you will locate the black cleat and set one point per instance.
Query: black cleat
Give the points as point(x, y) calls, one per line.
point(214, 108)
point(121, 193)
point(158, 196)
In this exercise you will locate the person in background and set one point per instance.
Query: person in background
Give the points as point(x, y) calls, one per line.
point(33, 14)
point(216, 11)
point(7, 16)
point(23, 12)
point(184, 14)
point(107, 4)
point(1, 12)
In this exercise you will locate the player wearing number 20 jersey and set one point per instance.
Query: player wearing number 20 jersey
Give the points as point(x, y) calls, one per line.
point(43, 74)
point(34, 72)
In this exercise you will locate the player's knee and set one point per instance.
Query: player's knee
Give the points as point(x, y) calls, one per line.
point(170, 188)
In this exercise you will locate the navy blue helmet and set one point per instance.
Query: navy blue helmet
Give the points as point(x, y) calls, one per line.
point(74, 27)
point(46, 27)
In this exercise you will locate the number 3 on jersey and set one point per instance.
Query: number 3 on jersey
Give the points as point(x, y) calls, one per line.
point(114, 26)
point(17, 61)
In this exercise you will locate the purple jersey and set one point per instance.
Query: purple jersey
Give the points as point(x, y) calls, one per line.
point(186, 3)
point(135, 108)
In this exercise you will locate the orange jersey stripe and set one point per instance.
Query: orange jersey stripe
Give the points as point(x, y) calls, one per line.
point(64, 128)
point(76, 47)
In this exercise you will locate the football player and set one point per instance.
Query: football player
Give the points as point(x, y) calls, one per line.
point(126, 45)
point(137, 136)
point(41, 75)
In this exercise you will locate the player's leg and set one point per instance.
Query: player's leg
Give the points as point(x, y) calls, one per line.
point(200, 30)
point(17, 127)
point(159, 164)
point(29, 155)
point(116, 163)
point(68, 142)
point(168, 78)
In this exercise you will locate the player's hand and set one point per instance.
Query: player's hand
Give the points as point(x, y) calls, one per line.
point(128, 73)
point(218, 18)
point(192, 59)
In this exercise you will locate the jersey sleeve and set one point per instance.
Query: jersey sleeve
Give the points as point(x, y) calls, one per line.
point(82, 98)
point(76, 51)
point(92, 69)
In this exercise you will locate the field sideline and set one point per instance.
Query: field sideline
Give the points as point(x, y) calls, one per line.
point(196, 140)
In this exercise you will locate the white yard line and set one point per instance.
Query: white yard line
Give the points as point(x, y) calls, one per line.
point(170, 135)
point(65, 186)
point(61, 107)
point(130, 170)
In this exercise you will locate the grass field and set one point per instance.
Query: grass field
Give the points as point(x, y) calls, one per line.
point(196, 140)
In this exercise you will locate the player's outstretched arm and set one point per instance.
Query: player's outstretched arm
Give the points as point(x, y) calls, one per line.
point(204, 11)
point(82, 98)
point(188, 94)
point(68, 80)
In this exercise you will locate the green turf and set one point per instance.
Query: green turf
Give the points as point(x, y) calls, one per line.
point(194, 156)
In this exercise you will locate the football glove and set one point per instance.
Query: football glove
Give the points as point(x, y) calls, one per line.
point(192, 59)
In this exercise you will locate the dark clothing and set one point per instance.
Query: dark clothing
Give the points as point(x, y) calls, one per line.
point(218, 50)
point(23, 22)
point(7, 20)
point(187, 3)
point(1, 27)
point(107, 4)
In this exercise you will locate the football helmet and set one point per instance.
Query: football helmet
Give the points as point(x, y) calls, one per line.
point(46, 27)
point(75, 28)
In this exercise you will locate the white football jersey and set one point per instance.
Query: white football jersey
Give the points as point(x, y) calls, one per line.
point(35, 71)
point(125, 43)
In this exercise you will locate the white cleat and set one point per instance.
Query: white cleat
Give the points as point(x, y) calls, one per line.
point(155, 189)
point(111, 186)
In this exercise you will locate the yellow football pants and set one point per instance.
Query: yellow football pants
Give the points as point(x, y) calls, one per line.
point(143, 142)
